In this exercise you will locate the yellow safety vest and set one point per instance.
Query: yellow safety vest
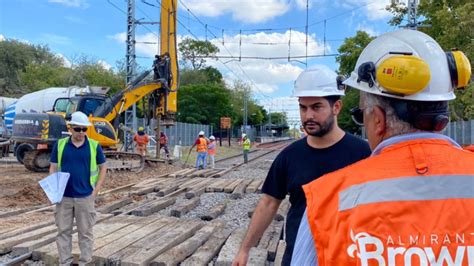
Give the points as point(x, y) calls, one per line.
point(246, 144)
point(94, 170)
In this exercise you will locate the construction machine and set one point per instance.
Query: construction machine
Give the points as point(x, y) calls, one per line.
point(34, 134)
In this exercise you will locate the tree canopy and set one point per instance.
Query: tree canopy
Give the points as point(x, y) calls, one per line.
point(195, 51)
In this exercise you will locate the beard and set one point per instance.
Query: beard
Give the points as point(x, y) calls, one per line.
point(322, 128)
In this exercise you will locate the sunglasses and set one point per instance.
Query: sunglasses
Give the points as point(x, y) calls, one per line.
point(79, 129)
point(357, 115)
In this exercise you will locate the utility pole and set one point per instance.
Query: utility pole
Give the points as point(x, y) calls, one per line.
point(130, 115)
point(245, 108)
point(412, 23)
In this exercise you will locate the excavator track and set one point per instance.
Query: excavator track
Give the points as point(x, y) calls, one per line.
point(116, 160)
point(37, 160)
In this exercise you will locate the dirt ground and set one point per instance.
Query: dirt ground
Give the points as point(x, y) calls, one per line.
point(19, 187)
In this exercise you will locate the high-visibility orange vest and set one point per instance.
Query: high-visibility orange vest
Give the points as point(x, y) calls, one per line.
point(413, 204)
point(211, 149)
point(141, 140)
point(202, 146)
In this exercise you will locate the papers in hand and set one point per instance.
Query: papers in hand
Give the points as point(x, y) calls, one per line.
point(54, 186)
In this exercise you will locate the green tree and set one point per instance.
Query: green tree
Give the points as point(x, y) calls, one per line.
point(204, 104)
point(195, 52)
point(349, 52)
point(15, 56)
point(200, 76)
point(451, 24)
point(256, 113)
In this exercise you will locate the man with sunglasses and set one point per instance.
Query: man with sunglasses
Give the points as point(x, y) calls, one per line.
point(326, 148)
point(84, 160)
point(412, 201)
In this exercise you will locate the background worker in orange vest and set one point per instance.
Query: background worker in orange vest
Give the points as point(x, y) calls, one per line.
point(201, 143)
point(141, 141)
point(412, 201)
point(164, 144)
point(211, 151)
point(326, 148)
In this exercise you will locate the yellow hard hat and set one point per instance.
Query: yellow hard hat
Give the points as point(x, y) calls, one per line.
point(141, 129)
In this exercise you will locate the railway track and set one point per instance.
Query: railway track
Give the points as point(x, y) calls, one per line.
point(145, 224)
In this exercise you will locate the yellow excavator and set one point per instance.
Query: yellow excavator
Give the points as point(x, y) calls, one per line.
point(34, 134)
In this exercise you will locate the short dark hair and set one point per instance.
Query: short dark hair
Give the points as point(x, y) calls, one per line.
point(332, 99)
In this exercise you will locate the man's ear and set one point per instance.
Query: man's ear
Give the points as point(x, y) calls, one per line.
point(380, 122)
point(337, 107)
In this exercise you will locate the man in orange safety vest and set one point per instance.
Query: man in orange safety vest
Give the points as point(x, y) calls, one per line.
point(412, 201)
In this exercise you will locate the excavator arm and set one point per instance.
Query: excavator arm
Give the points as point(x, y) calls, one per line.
point(166, 75)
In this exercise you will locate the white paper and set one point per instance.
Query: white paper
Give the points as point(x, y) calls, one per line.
point(54, 186)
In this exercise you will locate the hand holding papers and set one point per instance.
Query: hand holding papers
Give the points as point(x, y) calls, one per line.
point(54, 186)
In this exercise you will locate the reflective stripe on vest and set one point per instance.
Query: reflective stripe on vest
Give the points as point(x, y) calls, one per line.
point(202, 146)
point(94, 170)
point(246, 144)
point(408, 189)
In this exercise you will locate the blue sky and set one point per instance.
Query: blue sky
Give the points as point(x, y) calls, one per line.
point(96, 28)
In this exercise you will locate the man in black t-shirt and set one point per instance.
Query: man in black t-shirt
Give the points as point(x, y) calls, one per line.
point(325, 149)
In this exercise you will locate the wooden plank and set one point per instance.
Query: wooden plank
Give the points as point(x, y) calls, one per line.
point(252, 187)
point(215, 185)
point(257, 257)
point(29, 246)
point(184, 207)
point(102, 254)
point(259, 190)
point(274, 240)
point(231, 247)
point(7, 243)
point(280, 252)
point(38, 253)
point(117, 189)
point(214, 212)
point(198, 189)
point(204, 172)
point(185, 173)
point(153, 207)
point(132, 206)
point(173, 175)
point(282, 210)
point(209, 249)
point(240, 189)
point(222, 173)
point(20, 211)
point(230, 187)
point(167, 190)
point(114, 205)
point(211, 173)
point(23, 230)
point(100, 230)
point(179, 253)
point(167, 240)
point(223, 185)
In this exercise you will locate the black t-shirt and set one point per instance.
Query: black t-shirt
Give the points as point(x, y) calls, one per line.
point(299, 164)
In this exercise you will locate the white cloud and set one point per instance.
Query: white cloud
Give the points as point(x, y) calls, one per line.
point(2, 38)
point(66, 62)
point(264, 76)
point(54, 38)
point(368, 29)
point(248, 11)
point(374, 10)
point(71, 3)
point(104, 64)
point(146, 45)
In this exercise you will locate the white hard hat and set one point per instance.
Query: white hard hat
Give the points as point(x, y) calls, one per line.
point(212, 138)
point(79, 119)
point(201, 133)
point(244, 135)
point(318, 81)
point(410, 65)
